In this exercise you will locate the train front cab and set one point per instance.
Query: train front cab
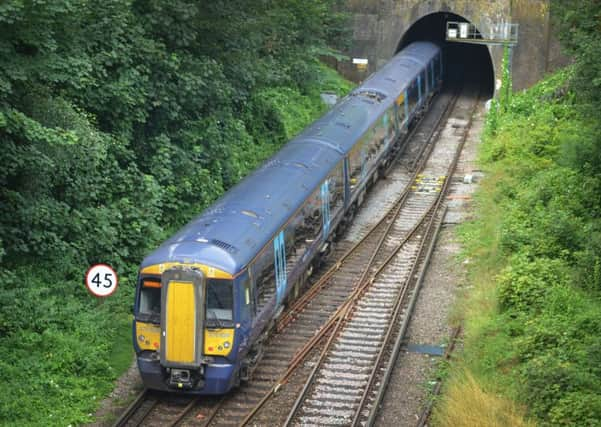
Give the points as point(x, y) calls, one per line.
point(185, 328)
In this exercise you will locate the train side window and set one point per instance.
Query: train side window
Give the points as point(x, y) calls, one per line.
point(220, 301)
point(376, 140)
point(422, 81)
point(356, 162)
point(150, 303)
point(413, 94)
point(392, 125)
point(386, 128)
point(369, 141)
point(312, 220)
point(297, 239)
point(264, 274)
point(336, 188)
point(400, 109)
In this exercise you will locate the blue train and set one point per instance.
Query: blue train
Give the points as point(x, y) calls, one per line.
point(208, 296)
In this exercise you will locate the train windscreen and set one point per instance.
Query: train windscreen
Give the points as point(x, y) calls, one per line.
point(149, 308)
point(220, 303)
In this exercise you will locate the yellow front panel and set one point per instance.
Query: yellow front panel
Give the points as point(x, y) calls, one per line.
point(148, 336)
point(218, 342)
point(180, 331)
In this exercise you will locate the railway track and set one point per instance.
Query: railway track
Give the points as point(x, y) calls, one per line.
point(157, 409)
point(349, 379)
point(326, 312)
point(311, 317)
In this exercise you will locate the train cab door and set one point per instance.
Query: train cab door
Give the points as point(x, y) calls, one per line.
point(182, 318)
point(247, 310)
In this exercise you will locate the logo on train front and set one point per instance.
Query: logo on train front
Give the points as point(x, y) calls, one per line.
point(101, 280)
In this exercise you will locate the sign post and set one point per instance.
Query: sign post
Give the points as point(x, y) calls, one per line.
point(101, 280)
point(361, 63)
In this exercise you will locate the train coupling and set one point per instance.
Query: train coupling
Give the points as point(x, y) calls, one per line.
point(184, 379)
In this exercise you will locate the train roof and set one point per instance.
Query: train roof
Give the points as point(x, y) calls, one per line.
point(353, 115)
point(230, 233)
point(394, 77)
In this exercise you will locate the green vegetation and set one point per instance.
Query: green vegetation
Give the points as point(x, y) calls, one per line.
point(533, 313)
point(121, 120)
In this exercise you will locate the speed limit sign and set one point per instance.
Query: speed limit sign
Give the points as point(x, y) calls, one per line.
point(101, 280)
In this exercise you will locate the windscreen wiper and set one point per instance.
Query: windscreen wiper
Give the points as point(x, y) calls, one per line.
point(219, 324)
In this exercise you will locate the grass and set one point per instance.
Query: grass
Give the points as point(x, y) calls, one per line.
point(121, 352)
point(467, 404)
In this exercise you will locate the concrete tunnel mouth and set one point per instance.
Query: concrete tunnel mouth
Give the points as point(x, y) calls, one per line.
point(461, 60)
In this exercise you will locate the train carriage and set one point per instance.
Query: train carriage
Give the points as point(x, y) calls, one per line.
point(207, 297)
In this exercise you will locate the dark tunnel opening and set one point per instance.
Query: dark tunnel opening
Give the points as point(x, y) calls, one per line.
point(462, 60)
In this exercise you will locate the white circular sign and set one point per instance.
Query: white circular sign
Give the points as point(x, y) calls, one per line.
point(101, 280)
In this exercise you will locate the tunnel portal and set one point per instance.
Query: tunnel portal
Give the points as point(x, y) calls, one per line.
point(379, 29)
point(462, 60)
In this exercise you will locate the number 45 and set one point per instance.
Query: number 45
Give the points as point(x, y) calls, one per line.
point(107, 280)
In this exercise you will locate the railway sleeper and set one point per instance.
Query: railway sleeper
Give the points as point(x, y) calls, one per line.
point(375, 304)
point(361, 329)
point(323, 421)
point(368, 320)
point(346, 367)
point(335, 371)
point(371, 340)
point(338, 392)
point(354, 355)
point(338, 413)
point(346, 383)
point(336, 404)
point(367, 315)
point(355, 336)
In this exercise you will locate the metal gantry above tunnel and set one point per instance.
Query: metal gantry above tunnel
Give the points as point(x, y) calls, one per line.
point(503, 33)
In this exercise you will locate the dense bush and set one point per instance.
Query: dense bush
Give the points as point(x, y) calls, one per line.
point(115, 114)
point(119, 121)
